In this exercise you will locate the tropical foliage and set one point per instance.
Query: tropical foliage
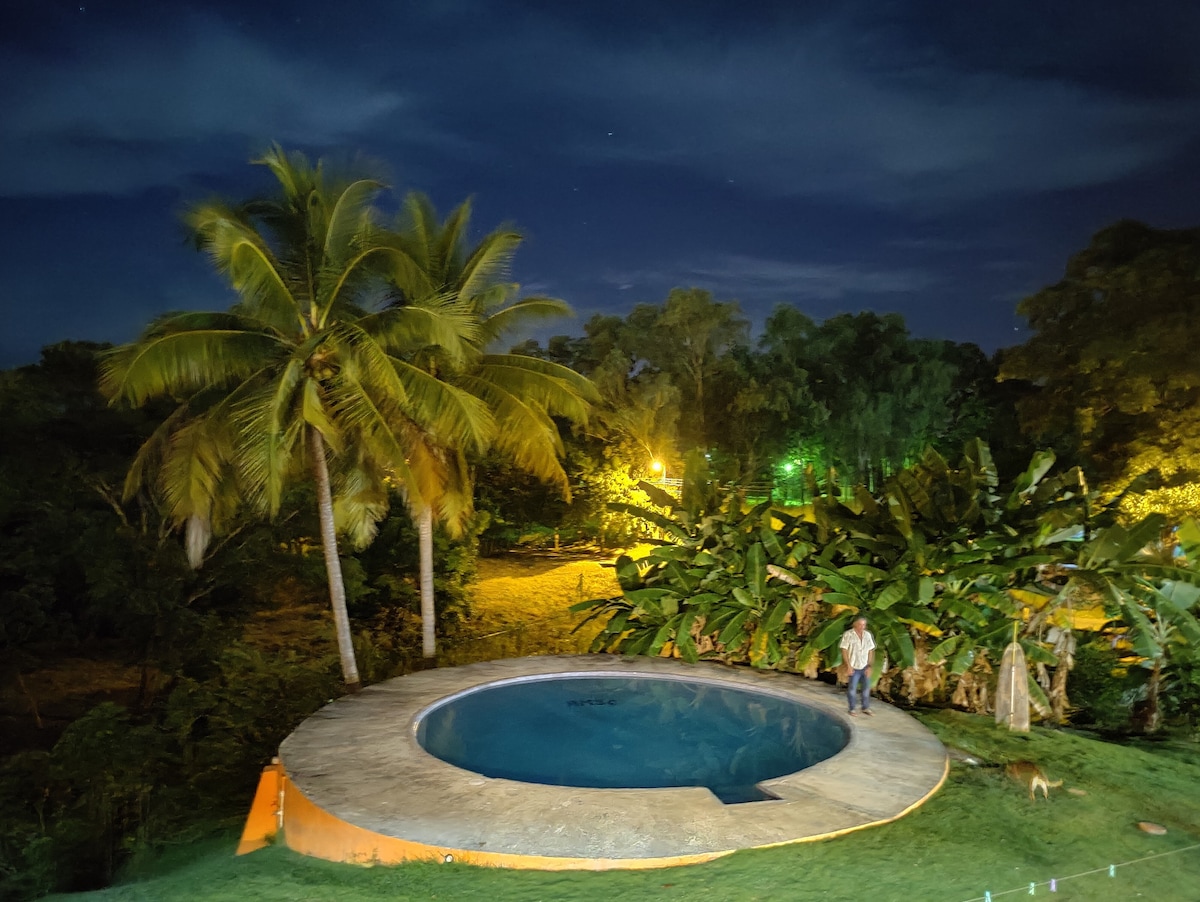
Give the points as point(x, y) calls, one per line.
point(518, 395)
point(944, 562)
point(308, 361)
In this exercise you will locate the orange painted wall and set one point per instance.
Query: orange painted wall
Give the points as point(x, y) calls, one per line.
point(263, 821)
point(311, 830)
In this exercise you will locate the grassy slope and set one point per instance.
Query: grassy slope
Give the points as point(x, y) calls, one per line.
point(980, 832)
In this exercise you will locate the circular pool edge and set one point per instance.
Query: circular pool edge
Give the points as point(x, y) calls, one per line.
point(741, 787)
point(359, 787)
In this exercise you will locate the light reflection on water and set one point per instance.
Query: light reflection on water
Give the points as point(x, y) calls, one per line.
point(613, 732)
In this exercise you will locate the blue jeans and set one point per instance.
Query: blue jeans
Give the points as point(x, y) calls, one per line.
point(856, 677)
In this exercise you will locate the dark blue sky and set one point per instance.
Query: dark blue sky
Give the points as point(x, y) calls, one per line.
point(933, 159)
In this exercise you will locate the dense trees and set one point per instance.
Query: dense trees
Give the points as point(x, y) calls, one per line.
point(876, 396)
point(856, 393)
point(140, 697)
point(1113, 365)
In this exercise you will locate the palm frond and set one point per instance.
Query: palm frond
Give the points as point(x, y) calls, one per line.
point(454, 415)
point(295, 174)
point(360, 499)
point(238, 250)
point(455, 504)
point(558, 389)
point(195, 469)
point(403, 391)
point(428, 480)
point(488, 263)
point(521, 313)
point(182, 355)
point(447, 242)
point(350, 220)
point(269, 423)
point(439, 321)
point(338, 283)
point(418, 226)
point(314, 414)
point(390, 443)
point(144, 471)
point(525, 432)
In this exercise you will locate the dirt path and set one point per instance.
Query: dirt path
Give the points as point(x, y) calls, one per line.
point(521, 606)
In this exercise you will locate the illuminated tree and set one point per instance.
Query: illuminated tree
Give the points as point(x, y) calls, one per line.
point(1113, 362)
point(518, 395)
point(305, 377)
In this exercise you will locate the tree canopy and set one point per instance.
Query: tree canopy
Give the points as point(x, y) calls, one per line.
point(1113, 366)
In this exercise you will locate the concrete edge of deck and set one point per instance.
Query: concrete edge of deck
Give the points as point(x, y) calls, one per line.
point(355, 786)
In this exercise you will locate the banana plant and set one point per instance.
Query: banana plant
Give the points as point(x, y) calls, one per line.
point(724, 587)
point(1149, 597)
point(942, 562)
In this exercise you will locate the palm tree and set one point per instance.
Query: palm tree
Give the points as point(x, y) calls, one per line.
point(522, 393)
point(306, 376)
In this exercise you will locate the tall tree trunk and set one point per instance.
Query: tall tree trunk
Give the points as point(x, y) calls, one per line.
point(333, 565)
point(1153, 714)
point(428, 610)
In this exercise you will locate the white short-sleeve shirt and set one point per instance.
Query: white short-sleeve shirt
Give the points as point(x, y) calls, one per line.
point(857, 648)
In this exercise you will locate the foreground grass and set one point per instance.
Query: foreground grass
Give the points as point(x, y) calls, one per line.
point(980, 832)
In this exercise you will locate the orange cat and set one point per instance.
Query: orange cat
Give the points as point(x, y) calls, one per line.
point(1029, 774)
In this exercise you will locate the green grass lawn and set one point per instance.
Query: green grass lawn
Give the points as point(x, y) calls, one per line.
point(980, 832)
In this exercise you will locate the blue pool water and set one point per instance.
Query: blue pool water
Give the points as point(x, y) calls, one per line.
point(618, 731)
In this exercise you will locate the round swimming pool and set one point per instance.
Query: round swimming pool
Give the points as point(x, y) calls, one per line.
point(626, 731)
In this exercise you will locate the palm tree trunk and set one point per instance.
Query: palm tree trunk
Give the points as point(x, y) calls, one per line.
point(428, 610)
point(333, 565)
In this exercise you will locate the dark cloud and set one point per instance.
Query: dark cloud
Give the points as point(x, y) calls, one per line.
point(931, 158)
point(804, 113)
point(758, 279)
point(133, 111)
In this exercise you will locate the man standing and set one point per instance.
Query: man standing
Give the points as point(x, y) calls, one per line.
point(858, 654)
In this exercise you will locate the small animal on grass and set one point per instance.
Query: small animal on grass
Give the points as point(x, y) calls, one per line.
point(1029, 774)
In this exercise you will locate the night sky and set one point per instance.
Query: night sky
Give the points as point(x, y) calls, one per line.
point(925, 158)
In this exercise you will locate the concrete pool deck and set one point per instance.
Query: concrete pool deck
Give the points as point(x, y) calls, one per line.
point(354, 784)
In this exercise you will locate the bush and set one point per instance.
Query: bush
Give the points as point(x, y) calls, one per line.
point(118, 783)
point(1100, 688)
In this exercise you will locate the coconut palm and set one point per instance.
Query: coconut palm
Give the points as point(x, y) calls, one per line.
point(522, 393)
point(307, 376)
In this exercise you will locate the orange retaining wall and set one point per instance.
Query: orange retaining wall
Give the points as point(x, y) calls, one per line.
point(311, 830)
point(263, 821)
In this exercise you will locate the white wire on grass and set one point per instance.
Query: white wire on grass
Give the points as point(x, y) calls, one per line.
point(1108, 869)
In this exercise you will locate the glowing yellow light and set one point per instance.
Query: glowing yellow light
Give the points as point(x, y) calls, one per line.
point(656, 466)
